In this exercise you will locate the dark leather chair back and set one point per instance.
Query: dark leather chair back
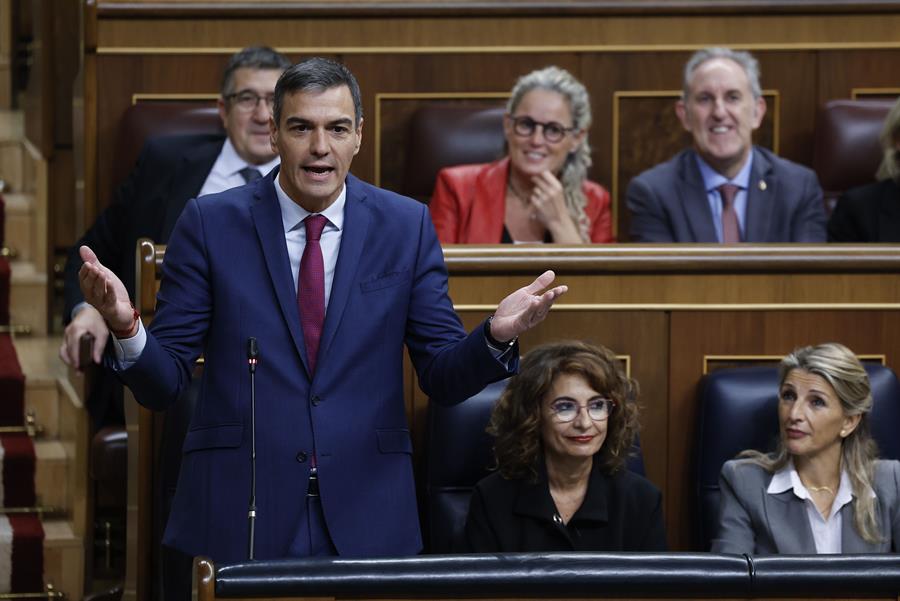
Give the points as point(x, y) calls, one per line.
point(739, 410)
point(446, 135)
point(459, 454)
point(148, 119)
point(846, 151)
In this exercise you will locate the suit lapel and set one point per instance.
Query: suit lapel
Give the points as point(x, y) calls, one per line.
point(692, 192)
point(266, 214)
point(353, 241)
point(196, 163)
point(762, 190)
point(487, 216)
point(851, 541)
point(788, 523)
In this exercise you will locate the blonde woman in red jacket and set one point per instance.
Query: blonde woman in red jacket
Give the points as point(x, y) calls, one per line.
point(539, 192)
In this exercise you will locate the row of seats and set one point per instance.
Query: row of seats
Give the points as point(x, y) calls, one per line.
point(446, 135)
point(846, 147)
point(738, 410)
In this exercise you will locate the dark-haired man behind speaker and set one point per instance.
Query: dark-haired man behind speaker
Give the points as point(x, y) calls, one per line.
point(171, 170)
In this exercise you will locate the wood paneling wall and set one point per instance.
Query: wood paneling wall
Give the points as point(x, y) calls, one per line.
point(666, 310)
point(631, 64)
point(676, 313)
point(670, 309)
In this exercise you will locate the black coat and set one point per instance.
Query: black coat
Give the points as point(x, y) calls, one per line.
point(621, 512)
point(869, 213)
point(170, 171)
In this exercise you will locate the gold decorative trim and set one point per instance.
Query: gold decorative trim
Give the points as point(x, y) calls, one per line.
point(775, 111)
point(626, 359)
point(40, 510)
point(144, 96)
point(511, 49)
point(857, 93)
point(30, 427)
point(49, 593)
point(702, 307)
point(22, 329)
point(379, 96)
point(707, 359)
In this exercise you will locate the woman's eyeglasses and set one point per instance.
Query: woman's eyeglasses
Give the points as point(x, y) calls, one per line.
point(598, 409)
point(553, 131)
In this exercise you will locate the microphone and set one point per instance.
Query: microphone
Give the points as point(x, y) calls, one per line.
point(252, 360)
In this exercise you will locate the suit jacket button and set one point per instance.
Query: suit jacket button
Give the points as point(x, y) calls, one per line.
point(314, 400)
point(301, 457)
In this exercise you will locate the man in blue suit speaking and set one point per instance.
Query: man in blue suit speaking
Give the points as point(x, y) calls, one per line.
point(333, 277)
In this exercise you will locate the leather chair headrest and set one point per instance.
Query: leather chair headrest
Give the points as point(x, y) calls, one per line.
point(147, 119)
point(846, 151)
point(447, 135)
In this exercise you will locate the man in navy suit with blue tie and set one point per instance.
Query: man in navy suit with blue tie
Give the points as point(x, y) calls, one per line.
point(333, 277)
point(725, 189)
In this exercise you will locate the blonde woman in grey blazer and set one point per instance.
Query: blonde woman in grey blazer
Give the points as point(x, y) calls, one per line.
point(823, 490)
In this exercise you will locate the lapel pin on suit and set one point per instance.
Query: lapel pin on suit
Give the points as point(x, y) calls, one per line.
point(762, 185)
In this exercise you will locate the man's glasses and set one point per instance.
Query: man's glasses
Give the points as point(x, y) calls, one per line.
point(598, 409)
point(248, 101)
point(525, 126)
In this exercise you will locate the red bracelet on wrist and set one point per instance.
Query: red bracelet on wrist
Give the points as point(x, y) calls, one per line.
point(130, 331)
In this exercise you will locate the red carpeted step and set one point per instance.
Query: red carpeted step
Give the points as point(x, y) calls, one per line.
point(27, 554)
point(18, 470)
point(21, 535)
point(12, 385)
point(4, 268)
point(5, 274)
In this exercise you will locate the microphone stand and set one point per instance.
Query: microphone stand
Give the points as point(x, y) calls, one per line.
point(252, 360)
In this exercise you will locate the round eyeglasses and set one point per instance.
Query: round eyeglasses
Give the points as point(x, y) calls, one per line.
point(248, 101)
point(525, 126)
point(565, 410)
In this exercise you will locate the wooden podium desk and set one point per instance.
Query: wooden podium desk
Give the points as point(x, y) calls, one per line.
point(673, 312)
point(676, 312)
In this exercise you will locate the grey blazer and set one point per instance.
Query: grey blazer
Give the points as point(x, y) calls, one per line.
point(668, 203)
point(753, 521)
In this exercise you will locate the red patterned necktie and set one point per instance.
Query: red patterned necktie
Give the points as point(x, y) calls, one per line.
point(731, 233)
point(311, 288)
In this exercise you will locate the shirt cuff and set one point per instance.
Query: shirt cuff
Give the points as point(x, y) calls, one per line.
point(128, 350)
point(505, 355)
point(77, 309)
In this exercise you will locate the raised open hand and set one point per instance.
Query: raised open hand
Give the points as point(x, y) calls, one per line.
point(525, 308)
point(104, 291)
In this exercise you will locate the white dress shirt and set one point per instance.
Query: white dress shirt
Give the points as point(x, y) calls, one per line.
point(826, 531)
point(226, 171)
point(292, 218)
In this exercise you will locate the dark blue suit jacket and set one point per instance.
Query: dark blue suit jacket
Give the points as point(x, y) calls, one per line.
point(668, 202)
point(169, 171)
point(227, 277)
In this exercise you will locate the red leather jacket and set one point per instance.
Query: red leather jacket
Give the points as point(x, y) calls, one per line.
point(468, 205)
